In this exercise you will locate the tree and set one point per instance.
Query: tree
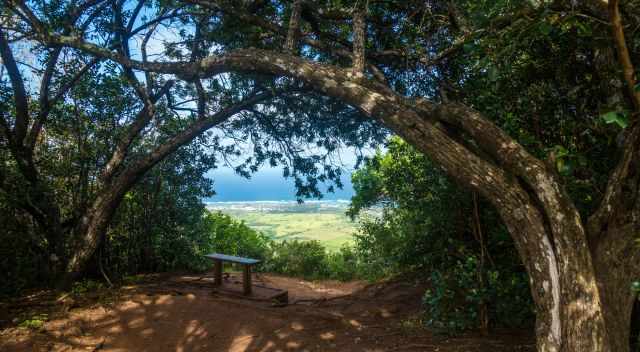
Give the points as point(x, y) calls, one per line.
point(442, 231)
point(139, 140)
point(580, 265)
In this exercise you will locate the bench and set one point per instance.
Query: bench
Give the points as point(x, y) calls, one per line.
point(246, 263)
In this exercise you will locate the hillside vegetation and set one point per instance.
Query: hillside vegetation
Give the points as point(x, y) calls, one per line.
point(327, 224)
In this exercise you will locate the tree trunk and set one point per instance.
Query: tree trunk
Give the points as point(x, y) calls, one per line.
point(615, 273)
point(578, 308)
point(91, 230)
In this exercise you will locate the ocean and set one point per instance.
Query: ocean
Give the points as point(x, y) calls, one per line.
point(265, 185)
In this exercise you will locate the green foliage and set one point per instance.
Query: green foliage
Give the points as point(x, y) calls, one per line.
point(310, 260)
point(35, 322)
point(427, 226)
point(305, 259)
point(331, 227)
point(452, 302)
point(557, 86)
point(80, 288)
point(448, 309)
point(618, 118)
point(345, 264)
point(161, 224)
point(233, 237)
point(22, 256)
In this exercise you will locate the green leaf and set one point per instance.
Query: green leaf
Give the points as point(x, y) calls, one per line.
point(468, 47)
point(563, 166)
point(492, 73)
point(637, 87)
point(616, 117)
point(545, 28)
point(560, 151)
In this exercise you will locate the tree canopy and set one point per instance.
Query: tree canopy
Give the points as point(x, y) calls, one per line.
point(533, 105)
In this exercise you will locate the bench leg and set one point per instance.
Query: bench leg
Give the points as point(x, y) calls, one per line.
point(217, 272)
point(246, 279)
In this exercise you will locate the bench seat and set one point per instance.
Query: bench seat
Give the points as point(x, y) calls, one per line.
point(219, 258)
point(232, 259)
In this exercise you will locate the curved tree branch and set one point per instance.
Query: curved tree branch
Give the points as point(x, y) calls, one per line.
point(19, 93)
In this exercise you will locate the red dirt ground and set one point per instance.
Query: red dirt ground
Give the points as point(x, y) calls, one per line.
point(182, 313)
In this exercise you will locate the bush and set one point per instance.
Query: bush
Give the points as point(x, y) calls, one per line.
point(344, 265)
point(307, 259)
point(229, 236)
point(430, 224)
point(452, 304)
point(455, 298)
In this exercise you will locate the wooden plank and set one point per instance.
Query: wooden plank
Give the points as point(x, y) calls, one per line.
point(246, 279)
point(217, 272)
point(231, 258)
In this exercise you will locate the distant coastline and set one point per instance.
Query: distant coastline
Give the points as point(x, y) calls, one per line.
point(268, 185)
point(282, 201)
point(338, 206)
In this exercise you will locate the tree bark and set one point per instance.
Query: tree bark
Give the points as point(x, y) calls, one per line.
point(92, 227)
point(579, 283)
point(293, 33)
point(547, 229)
point(614, 278)
point(359, 39)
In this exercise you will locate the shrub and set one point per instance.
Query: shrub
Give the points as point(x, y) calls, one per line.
point(233, 237)
point(307, 259)
point(344, 265)
point(453, 302)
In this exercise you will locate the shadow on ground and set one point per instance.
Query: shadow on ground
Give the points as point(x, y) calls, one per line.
point(182, 314)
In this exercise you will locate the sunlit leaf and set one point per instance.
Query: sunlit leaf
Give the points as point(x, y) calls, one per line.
point(618, 118)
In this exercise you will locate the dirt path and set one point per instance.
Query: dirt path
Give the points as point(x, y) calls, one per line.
point(180, 313)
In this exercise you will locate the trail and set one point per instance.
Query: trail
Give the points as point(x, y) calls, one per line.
point(180, 313)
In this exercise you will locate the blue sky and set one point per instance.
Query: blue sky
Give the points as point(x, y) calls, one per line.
point(269, 184)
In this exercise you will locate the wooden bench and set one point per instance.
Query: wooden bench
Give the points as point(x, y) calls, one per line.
point(246, 263)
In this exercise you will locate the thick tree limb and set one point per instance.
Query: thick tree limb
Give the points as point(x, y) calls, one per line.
point(108, 200)
point(43, 101)
point(19, 93)
point(141, 120)
point(517, 160)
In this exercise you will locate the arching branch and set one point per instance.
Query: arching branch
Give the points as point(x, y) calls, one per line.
point(141, 120)
point(19, 93)
point(107, 202)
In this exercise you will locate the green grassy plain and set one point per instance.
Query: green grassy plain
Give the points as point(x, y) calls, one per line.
point(330, 225)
